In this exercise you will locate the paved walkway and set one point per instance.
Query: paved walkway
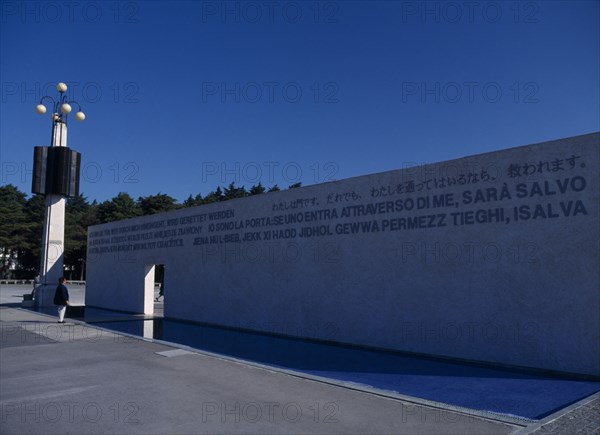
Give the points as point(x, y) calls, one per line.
point(82, 379)
point(77, 379)
point(581, 418)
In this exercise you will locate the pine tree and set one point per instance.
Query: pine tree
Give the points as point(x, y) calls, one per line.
point(120, 207)
point(158, 203)
point(257, 189)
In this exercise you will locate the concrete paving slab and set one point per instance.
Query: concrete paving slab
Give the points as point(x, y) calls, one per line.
point(174, 352)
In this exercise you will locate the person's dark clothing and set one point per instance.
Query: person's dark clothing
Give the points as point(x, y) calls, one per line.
point(61, 296)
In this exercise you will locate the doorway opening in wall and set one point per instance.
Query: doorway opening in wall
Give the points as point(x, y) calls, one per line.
point(154, 290)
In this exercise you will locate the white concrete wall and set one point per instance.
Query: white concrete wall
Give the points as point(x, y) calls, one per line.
point(513, 290)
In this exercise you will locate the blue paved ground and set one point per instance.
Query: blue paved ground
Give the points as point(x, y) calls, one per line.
point(509, 392)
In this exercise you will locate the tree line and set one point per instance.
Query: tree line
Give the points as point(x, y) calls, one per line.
point(21, 220)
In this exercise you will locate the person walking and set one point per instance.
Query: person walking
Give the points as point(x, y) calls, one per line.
point(36, 284)
point(161, 290)
point(61, 299)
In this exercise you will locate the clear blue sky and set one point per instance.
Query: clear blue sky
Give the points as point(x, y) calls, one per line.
point(181, 97)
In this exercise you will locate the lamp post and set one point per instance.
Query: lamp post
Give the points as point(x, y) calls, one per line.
point(55, 175)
